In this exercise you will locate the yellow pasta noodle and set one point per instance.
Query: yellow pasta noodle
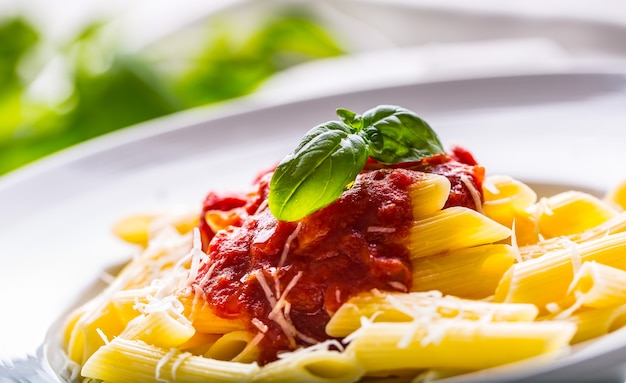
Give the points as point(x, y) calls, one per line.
point(87, 331)
point(317, 364)
point(400, 307)
point(593, 323)
point(506, 198)
point(129, 361)
point(237, 346)
point(617, 196)
point(455, 343)
point(598, 286)
point(139, 228)
point(570, 213)
point(546, 279)
point(160, 328)
point(205, 320)
point(614, 225)
point(453, 228)
point(429, 195)
point(471, 272)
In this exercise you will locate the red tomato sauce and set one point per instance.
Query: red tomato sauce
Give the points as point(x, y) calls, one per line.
point(351, 246)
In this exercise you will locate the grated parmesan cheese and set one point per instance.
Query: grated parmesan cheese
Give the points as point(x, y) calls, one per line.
point(514, 245)
point(102, 335)
point(380, 229)
point(281, 307)
point(473, 192)
point(259, 325)
point(574, 254)
point(570, 310)
point(396, 285)
point(292, 236)
point(161, 363)
point(180, 359)
point(490, 186)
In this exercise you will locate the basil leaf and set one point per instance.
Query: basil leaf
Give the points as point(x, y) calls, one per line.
point(317, 172)
point(398, 135)
point(350, 118)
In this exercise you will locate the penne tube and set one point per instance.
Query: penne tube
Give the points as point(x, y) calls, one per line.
point(472, 272)
point(615, 225)
point(429, 194)
point(311, 365)
point(401, 307)
point(129, 361)
point(134, 229)
point(570, 213)
point(199, 343)
point(88, 331)
point(592, 323)
point(546, 279)
point(453, 228)
point(160, 328)
point(617, 196)
point(237, 346)
point(205, 320)
point(125, 301)
point(456, 344)
point(598, 286)
point(139, 228)
point(506, 198)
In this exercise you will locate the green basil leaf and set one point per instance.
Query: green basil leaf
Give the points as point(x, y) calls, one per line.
point(350, 118)
point(316, 173)
point(398, 135)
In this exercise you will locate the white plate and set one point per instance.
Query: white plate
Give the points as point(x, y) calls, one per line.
point(559, 130)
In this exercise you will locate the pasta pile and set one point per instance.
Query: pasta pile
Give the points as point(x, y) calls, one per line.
point(520, 278)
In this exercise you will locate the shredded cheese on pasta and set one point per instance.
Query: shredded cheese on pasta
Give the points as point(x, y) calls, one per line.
point(292, 236)
point(473, 192)
point(161, 363)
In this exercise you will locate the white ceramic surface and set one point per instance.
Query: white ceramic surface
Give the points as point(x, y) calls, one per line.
point(559, 130)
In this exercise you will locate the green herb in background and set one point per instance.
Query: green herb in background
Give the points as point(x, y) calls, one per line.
point(109, 89)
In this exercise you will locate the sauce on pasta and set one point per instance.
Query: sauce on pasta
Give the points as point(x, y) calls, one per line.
point(292, 276)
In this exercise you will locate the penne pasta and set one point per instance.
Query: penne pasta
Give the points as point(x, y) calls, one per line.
point(429, 195)
point(90, 329)
point(617, 196)
point(318, 364)
point(593, 323)
point(205, 320)
point(199, 343)
point(455, 343)
point(571, 213)
point(160, 328)
point(506, 198)
point(139, 228)
point(402, 308)
point(128, 361)
point(545, 280)
point(471, 272)
point(238, 346)
point(615, 225)
point(451, 229)
point(598, 286)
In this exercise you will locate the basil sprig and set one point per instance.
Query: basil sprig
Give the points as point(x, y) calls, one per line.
point(331, 155)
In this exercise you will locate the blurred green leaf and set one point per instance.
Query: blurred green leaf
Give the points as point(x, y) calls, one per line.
point(17, 37)
point(229, 68)
point(108, 89)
